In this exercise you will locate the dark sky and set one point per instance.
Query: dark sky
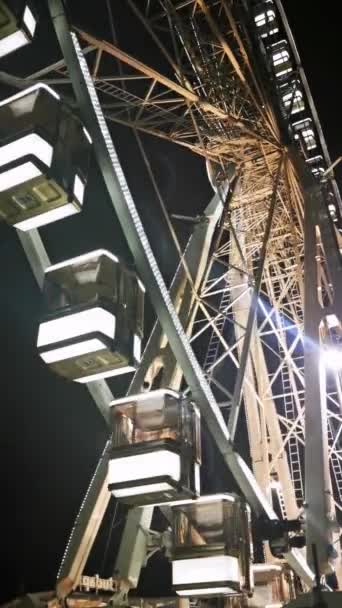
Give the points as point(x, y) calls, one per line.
point(318, 40)
point(50, 432)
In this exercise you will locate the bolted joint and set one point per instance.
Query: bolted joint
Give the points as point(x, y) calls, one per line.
point(282, 535)
point(159, 541)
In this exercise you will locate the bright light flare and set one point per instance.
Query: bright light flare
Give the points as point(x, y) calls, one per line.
point(332, 358)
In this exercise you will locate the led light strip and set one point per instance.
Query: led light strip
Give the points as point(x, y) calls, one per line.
point(143, 466)
point(47, 217)
point(145, 489)
point(18, 175)
point(210, 498)
point(80, 259)
point(79, 189)
point(34, 87)
point(77, 324)
point(29, 20)
point(29, 144)
point(209, 591)
point(13, 42)
point(109, 374)
point(72, 350)
point(213, 569)
point(141, 397)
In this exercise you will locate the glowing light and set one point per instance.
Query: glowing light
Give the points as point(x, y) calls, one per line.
point(211, 569)
point(18, 175)
point(82, 259)
point(332, 321)
point(29, 20)
point(78, 189)
point(266, 18)
point(309, 138)
point(87, 135)
point(263, 18)
point(280, 57)
point(107, 374)
point(75, 325)
point(47, 218)
point(73, 350)
point(34, 87)
point(144, 466)
point(332, 358)
point(141, 286)
point(29, 144)
point(136, 348)
point(151, 396)
point(12, 42)
point(294, 99)
point(209, 591)
point(204, 499)
point(266, 568)
point(145, 489)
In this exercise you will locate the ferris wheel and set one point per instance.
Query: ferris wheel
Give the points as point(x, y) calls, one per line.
point(257, 292)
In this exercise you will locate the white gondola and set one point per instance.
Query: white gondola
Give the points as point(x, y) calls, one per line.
point(212, 551)
point(18, 24)
point(317, 166)
point(44, 158)
point(156, 448)
point(95, 322)
point(265, 19)
point(304, 132)
point(292, 97)
point(281, 60)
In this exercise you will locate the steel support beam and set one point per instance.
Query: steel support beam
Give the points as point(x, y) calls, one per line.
point(133, 548)
point(260, 416)
point(318, 231)
point(236, 402)
point(142, 68)
point(318, 491)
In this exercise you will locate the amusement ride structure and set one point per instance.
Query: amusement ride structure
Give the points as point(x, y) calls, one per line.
point(248, 333)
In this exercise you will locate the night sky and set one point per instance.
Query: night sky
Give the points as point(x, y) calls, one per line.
point(50, 431)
